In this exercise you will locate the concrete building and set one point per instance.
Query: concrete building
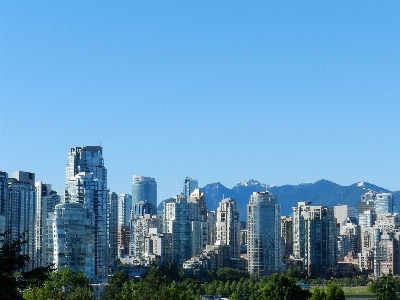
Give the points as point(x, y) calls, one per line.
point(342, 213)
point(201, 238)
point(352, 232)
point(264, 222)
point(367, 203)
point(314, 238)
point(228, 225)
point(142, 226)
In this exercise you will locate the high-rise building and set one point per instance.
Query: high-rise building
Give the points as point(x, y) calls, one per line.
point(314, 238)
point(144, 188)
point(124, 209)
point(264, 222)
point(384, 203)
point(342, 212)
point(287, 235)
point(176, 220)
point(141, 230)
point(189, 186)
point(228, 225)
point(112, 220)
point(20, 212)
point(367, 204)
point(73, 238)
point(46, 201)
point(199, 219)
point(211, 227)
point(4, 196)
point(351, 232)
point(87, 184)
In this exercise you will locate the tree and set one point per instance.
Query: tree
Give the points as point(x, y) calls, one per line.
point(385, 289)
point(280, 287)
point(61, 285)
point(334, 292)
point(114, 287)
point(318, 294)
point(12, 261)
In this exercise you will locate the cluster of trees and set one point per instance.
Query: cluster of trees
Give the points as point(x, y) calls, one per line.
point(162, 282)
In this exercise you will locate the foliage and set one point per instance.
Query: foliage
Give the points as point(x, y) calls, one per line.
point(114, 287)
point(62, 285)
point(334, 292)
point(225, 274)
point(385, 288)
point(318, 294)
point(280, 287)
point(11, 262)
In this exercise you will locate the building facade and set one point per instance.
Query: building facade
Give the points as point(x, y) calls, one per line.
point(264, 244)
point(228, 225)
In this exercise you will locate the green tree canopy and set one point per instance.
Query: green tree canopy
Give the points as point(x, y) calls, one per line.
point(334, 292)
point(280, 287)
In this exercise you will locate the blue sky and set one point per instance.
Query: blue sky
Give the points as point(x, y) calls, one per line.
point(285, 92)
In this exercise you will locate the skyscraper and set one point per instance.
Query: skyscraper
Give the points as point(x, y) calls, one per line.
point(228, 225)
point(264, 222)
point(144, 188)
point(46, 201)
point(124, 209)
point(199, 219)
point(314, 238)
point(112, 220)
point(87, 184)
point(384, 203)
point(176, 221)
point(20, 212)
point(73, 238)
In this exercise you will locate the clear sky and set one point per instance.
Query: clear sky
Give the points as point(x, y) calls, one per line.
point(284, 92)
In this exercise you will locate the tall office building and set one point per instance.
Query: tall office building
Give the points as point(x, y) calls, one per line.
point(112, 220)
point(189, 186)
point(352, 233)
point(87, 184)
point(144, 188)
point(314, 238)
point(367, 204)
point(384, 203)
point(228, 225)
point(46, 201)
point(73, 238)
point(211, 227)
point(264, 222)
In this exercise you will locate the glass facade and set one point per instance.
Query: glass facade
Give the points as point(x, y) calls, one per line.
point(144, 188)
point(264, 247)
point(73, 238)
point(87, 184)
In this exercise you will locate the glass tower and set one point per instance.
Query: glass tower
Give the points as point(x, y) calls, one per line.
point(264, 246)
point(87, 184)
point(144, 188)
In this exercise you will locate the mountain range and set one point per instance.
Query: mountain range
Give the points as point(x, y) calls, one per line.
point(322, 192)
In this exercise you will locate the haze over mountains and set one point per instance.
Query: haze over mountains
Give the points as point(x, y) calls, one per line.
point(322, 192)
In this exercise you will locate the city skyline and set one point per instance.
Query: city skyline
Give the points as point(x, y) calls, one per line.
point(285, 92)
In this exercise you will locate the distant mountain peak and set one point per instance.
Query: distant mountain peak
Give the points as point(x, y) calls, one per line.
point(250, 182)
point(361, 183)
